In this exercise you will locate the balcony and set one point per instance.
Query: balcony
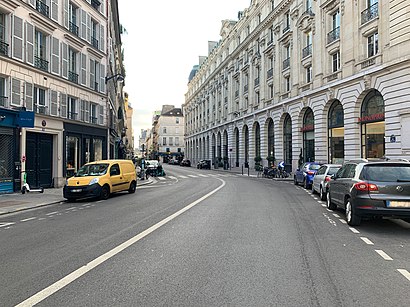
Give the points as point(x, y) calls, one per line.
point(94, 42)
point(4, 102)
point(40, 63)
point(307, 51)
point(245, 88)
point(73, 28)
point(286, 63)
point(256, 81)
point(370, 13)
point(333, 35)
point(95, 4)
point(4, 48)
point(41, 109)
point(42, 8)
point(269, 73)
point(73, 77)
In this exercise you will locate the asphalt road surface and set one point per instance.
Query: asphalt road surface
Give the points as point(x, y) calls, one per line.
point(202, 238)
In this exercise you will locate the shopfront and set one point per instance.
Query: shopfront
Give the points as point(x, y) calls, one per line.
point(83, 145)
point(308, 130)
point(287, 139)
point(372, 126)
point(336, 133)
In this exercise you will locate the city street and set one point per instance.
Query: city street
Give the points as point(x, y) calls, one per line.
point(202, 238)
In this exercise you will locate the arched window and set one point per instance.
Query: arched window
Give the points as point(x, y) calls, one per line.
point(236, 147)
point(287, 139)
point(373, 125)
point(336, 133)
point(271, 139)
point(246, 137)
point(257, 140)
point(308, 130)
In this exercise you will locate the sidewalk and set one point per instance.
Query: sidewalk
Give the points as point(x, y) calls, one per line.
point(15, 202)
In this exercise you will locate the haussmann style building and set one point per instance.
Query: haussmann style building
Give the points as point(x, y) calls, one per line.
point(304, 80)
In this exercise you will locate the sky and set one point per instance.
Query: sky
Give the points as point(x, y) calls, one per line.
point(163, 41)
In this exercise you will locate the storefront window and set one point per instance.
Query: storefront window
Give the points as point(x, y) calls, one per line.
point(257, 140)
point(373, 126)
point(287, 139)
point(308, 130)
point(6, 160)
point(72, 155)
point(336, 133)
point(246, 133)
point(97, 149)
point(271, 139)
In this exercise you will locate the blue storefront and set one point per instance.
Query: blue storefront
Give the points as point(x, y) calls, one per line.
point(10, 123)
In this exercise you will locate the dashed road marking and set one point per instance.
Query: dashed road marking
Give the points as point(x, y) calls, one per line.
point(161, 178)
point(181, 176)
point(193, 176)
point(51, 213)
point(71, 208)
point(172, 177)
point(342, 221)
point(323, 205)
point(367, 241)
point(29, 219)
point(6, 224)
point(354, 230)
point(405, 273)
point(383, 255)
point(202, 175)
point(336, 215)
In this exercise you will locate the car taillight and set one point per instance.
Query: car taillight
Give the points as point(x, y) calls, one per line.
point(327, 178)
point(365, 186)
point(310, 173)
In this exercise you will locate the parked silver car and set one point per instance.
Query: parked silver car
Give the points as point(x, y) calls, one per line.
point(322, 177)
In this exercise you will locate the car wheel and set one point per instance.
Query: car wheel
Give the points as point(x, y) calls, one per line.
point(295, 180)
point(105, 192)
point(322, 194)
point(329, 204)
point(351, 218)
point(133, 187)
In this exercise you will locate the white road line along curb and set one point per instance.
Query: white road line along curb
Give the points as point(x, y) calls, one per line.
point(58, 285)
point(383, 255)
point(367, 241)
point(405, 273)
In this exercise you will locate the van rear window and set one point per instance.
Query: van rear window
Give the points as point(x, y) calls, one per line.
point(387, 172)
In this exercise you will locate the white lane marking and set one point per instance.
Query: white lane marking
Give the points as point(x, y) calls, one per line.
point(29, 219)
point(71, 208)
point(323, 205)
point(58, 285)
point(342, 221)
point(336, 215)
point(383, 254)
point(172, 177)
point(332, 222)
point(354, 230)
point(161, 178)
point(6, 224)
point(405, 273)
point(85, 205)
point(329, 210)
point(367, 241)
point(181, 176)
point(202, 175)
point(193, 176)
point(51, 213)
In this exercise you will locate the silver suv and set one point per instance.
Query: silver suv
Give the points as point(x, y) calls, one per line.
point(371, 189)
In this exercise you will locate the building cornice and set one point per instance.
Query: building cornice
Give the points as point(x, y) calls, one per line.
point(9, 5)
point(46, 24)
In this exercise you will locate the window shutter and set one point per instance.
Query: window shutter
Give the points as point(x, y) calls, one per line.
point(29, 43)
point(53, 103)
point(92, 74)
point(83, 69)
point(97, 76)
point(101, 115)
point(28, 96)
point(17, 38)
point(87, 111)
point(63, 105)
point(89, 28)
point(102, 38)
point(64, 59)
point(54, 10)
point(55, 56)
point(83, 33)
point(65, 14)
point(102, 7)
point(102, 78)
point(15, 92)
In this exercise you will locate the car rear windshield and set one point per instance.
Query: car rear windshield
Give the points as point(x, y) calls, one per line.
point(387, 173)
point(314, 166)
point(332, 170)
point(92, 170)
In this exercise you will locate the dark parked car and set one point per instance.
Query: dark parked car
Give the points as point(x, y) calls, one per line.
point(322, 178)
point(204, 164)
point(371, 189)
point(185, 162)
point(173, 162)
point(304, 174)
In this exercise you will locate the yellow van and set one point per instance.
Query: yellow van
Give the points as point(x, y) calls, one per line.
point(100, 179)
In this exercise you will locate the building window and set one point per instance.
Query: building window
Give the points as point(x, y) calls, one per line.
point(164, 141)
point(371, 12)
point(177, 120)
point(4, 46)
point(164, 130)
point(373, 44)
point(309, 74)
point(171, 141)
point(336, 133)
point(40, 101)
point(271, 91)
point(73, 24)
point(287, 84)
point(334, 34)
point(308, 136)
point(94, 33)
point(72, 65)
point(176, 141)
point(308, 49)
point(72, 108)
point(336, 61)
point(286, 26)
point(287, 139)
point(40, 51)
point(72, 155)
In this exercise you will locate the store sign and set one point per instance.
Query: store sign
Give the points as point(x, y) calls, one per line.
point(307, 128)
point(371, 118)
point(25, 119)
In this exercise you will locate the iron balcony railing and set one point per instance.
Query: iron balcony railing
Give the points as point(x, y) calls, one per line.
point(4, 102)
point(269, 74)
point(40, 63)
point(72, 115)
point(333, 35)
point(4, 48)
point(73, 28)
point(41, 109)
point(73, 77)
point(370, 13)
point(95, 4)
point(307, 51)
point(256, 81)
point(93, 119)
point(94, 42)
point(42, 8)
point(286, 63)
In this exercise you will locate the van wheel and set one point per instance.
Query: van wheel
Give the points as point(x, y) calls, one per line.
point(351, 218)
point(132, 188)
point(105, 192)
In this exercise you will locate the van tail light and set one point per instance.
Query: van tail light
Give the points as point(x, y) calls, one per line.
point(310, 173)
point(327, 178)
point(365, 186)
